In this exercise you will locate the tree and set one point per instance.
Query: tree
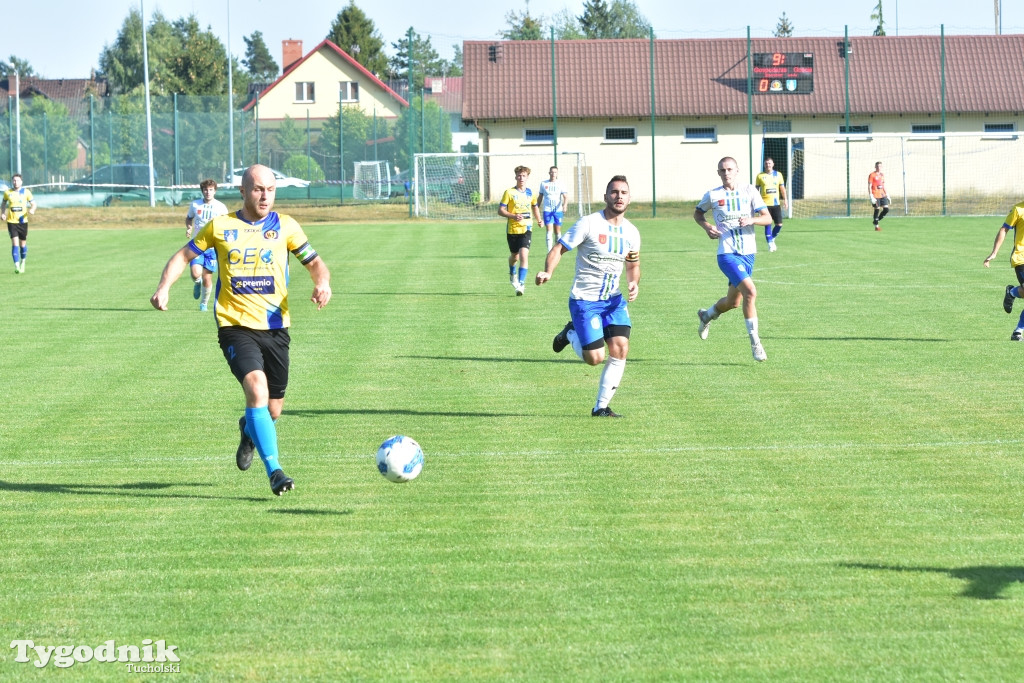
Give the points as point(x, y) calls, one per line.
point(199, 66)
point(567, 26)
point(426, 61)
point(877, 16)
point(437, 138)
point(784, 29)
point(521, 26)
point(289, 136)
point(258, 62)
point(52, 144)
point(356, 34)
point(453, 66)
point(22, 66)
point(621, 19)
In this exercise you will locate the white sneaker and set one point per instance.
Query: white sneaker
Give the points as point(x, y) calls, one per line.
point(759, 355)
point(771, 246)
point(702, 327)
point(520, 289)
point(22, 267)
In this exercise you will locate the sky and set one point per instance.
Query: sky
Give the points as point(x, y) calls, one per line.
point(66, 41)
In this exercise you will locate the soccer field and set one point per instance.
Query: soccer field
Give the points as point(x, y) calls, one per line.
point(849, 510)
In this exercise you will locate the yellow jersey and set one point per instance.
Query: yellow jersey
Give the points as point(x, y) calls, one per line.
point(17, 202)
point(1015, 220)
point(252, 267)
point(768, 185)
point(516, 201)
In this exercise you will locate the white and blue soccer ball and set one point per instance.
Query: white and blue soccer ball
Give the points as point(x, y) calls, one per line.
point(400, 459)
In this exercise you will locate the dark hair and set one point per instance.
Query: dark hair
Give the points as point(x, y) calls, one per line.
point(520, 169)
point(209, 182)
point(615, 179)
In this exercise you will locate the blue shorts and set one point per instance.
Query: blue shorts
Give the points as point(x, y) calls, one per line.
point(208, 260)
point(553, 218)
point(589, 318)
point(736, 267)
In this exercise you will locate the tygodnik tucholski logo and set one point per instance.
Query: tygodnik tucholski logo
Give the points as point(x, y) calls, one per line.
point(150, 657)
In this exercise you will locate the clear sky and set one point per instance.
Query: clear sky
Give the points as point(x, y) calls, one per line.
point(67, 36)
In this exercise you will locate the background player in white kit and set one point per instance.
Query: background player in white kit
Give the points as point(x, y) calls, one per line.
point(736, 209)
point(605, 243)
point(552, 200)
point(202, 267)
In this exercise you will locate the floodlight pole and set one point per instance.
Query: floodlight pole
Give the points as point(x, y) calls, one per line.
point(149, 111)
point(231, 103)
point(17, 115)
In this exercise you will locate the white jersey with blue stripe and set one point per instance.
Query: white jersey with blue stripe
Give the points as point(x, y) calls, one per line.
point(601, 251)
point(202, 213)
point(727, 207)
point(551, 191)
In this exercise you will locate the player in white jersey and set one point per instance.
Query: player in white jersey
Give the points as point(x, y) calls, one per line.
point(606, 244)
point(736, 209)
point(202, 267)
point(552, 200)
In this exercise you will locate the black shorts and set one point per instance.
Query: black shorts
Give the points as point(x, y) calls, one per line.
point(19, 230)
point(776, 213)
point(882, 202)
point(266, 350)
point(517, 242)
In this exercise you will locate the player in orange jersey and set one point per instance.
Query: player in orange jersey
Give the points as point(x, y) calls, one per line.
point(877, 194)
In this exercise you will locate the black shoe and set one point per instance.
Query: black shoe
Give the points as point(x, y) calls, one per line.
point(1016, 336)
point(243, 456)
point(561, 339)
point(1008, 299)
point(280, 482)
point(604, 412)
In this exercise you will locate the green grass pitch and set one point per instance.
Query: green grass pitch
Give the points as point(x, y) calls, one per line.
point(849, 510)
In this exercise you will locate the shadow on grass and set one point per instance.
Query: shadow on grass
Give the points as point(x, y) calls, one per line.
point(983, 583)
point(139, 489)
point(565, 358)
point(928, 340)
point(458, 294)
point(140, 309)
point(392, 411)
point(299, 511)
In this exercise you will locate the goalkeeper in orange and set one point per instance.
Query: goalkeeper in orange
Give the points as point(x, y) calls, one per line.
point(877, 194)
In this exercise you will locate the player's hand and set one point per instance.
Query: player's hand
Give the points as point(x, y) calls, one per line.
point(633, 290)
point(874, 202)
point(321, 295)
point(987, 262)
point(159, 300)
point(542, 277)
point(713, 232)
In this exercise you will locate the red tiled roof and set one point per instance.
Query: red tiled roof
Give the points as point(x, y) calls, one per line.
point(450, 97)
point(707, 77)
point(71, 92)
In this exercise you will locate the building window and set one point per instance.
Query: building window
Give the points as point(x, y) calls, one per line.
point(349, 91)
point(778, 126)
point(620, 135)
point(1000, 128)
point(304, 92)
point(855, 130)
point(926, 128)
point(700, 134)
point(539, 136)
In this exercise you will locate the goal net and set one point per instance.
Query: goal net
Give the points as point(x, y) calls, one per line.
point(371, 180)
point(930, 174)
point(469, 185)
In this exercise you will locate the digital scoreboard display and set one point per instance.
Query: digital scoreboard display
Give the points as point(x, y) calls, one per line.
point(789, 73)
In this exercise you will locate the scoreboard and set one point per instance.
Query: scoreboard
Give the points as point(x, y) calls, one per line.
point(783, 73)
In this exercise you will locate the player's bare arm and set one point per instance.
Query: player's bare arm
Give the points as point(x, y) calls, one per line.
point(550, 263)
point(172, 271)
point(321, 282)
point(632, 276)
point(712, 230)
point(1000, 236)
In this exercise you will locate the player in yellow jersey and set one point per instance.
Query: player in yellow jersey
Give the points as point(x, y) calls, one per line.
point(251, 307)
point(772, 187)
point(15, 208)
point(1014, 221)
point(518, 205)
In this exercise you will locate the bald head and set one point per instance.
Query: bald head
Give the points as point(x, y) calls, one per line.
point(258, 191)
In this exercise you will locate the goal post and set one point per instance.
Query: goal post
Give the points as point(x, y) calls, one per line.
point(371, 180)
point(469, 185)
point(926, 174)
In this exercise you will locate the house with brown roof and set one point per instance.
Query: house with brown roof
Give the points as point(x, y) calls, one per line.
point(446, 92)
point(313, 85)
point(896, 93)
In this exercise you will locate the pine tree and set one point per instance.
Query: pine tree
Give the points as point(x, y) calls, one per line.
point(522, 26)
point(877, 16)
point(621, 19)
point(784, 29)
point(356, 34)
point(258, 62)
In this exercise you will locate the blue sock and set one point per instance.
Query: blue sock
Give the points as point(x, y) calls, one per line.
point(261, 429)
point(776, 230)
point(1015, 292)
point(24, 252)
point(522, 275)
point(14, 255)
point(1020, 323)
point(768, 233)
point(511, 271)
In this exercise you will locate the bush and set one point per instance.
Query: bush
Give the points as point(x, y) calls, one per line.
point(302, 166)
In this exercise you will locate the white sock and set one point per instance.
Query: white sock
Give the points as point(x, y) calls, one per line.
point(752, 330)
point(610, 378)
point(550, 240)
point(204, 294)
point(713, 312)
point(574, 340)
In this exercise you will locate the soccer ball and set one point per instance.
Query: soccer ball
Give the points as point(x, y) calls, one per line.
point(400, 459)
